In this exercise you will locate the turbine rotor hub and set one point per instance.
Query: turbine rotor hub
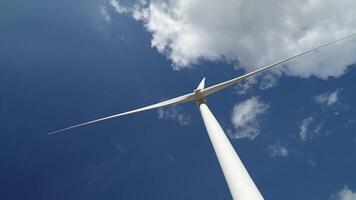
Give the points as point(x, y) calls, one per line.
point(199, 97)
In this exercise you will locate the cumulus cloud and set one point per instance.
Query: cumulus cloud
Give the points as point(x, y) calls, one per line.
point(277, 150)
point(245, 118)
point(309, 129)
point(328, 99)
point(174, 113)
point(252, 33)
point(345, 194)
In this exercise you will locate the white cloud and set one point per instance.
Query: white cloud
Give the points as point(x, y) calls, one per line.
point(304, 128)
point(105, 14)
point(328, 99)
point(118, 7)
point(318, 128)
point(264, 81)
point(246, 85)
point(309, 129)
point(174, 113)
point(252, 33)
point(277, 149)
point(245, 118)
point(345, 194)
point(268, 80)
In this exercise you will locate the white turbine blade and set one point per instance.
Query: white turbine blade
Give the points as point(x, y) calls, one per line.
point(201, 84)
point(177, 100)
point(220, 86)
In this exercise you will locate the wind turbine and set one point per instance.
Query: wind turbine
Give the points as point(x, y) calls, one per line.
point(238, 179)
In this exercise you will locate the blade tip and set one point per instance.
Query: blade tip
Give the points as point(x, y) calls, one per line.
point(55, 132)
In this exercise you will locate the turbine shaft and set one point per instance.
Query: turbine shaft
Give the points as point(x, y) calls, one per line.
point(237, 177)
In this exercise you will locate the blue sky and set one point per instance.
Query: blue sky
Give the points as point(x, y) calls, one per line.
point(66, 62)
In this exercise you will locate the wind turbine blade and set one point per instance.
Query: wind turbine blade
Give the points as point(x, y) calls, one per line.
point(201, 84)
point(177, 100)
point(220, 86)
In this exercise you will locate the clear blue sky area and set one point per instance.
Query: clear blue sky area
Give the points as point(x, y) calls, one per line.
point(60, 65)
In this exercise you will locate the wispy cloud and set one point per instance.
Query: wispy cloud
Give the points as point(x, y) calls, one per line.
point(269, 80)
point(277, 150)
point(246, 85)
point(105, 14)
point(304, 128)
point(118, 7)
point(312, 162)
point(328, 98)
point(174, 113)
point(263, 81)
point(309, 129)
point(344, 194)
point(245, 118)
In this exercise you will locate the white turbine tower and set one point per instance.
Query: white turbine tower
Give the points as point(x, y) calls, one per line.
point(239, 181)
